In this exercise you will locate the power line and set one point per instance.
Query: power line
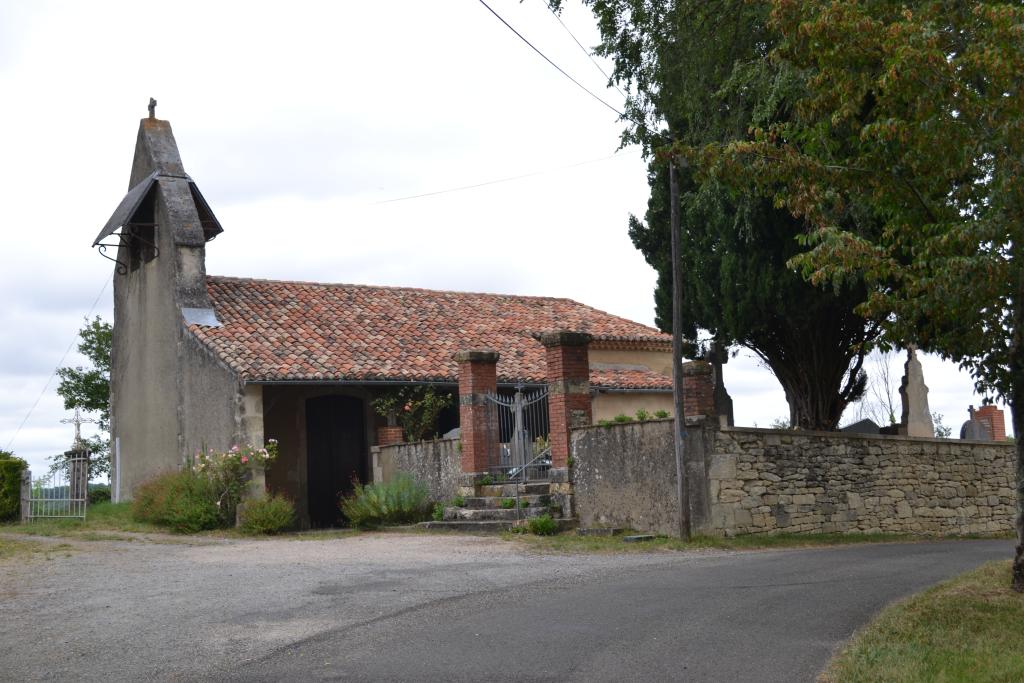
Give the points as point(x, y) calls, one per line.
point(59, 364)
point(585, 50)
point(617, 155)
point(560, 69)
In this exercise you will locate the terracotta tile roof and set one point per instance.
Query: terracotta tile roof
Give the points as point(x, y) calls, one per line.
point(629, 379)
point(304, 331)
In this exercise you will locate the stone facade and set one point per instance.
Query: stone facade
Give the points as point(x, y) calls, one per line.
point(435, 463)
point(766, 481)
point(769, 481)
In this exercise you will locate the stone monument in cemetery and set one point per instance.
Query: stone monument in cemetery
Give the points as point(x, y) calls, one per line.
point(719, 356)
point(984, 424)
point(975, 429)
point(917, 418)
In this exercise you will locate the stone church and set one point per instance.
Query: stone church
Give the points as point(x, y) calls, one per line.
point(202, 361)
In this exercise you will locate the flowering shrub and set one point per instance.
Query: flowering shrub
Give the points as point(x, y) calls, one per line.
point(229, 473)
point(415, 408)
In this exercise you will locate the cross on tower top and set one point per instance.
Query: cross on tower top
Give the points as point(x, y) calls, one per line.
point(152, 108)
point(78, 421)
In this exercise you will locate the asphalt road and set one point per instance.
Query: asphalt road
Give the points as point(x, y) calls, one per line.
point(429, 607)
point(762, 616)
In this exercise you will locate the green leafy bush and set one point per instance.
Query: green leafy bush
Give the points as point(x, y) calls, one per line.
point(402, 501)
point(642, 415)
point(459, 502)
point(269, 515)
point(437, 514)
point(11, 468)
point(486, 480)
point(622, 418)
point(661, 414)
point(524, 503)
point(543, 526)
point(183, 501)
point(99, 493)
point(508, 503)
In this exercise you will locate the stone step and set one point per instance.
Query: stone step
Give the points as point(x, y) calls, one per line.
point(488, 526)
point(534, 488)
point(491, 502)
point(472, 526)
point(453, 513)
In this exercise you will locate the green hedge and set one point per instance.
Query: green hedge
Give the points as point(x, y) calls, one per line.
point(11, 468)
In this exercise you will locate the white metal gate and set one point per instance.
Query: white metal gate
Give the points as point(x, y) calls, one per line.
point(521, 425)
point(61, 494)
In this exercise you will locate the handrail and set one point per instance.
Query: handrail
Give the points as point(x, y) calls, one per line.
point(512, 474)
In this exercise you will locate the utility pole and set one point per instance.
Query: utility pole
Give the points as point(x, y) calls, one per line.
point(679, 433)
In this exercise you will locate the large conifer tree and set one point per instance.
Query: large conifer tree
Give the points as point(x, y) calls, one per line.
point(701, 67)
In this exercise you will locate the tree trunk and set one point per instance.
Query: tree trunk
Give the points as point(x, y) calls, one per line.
point(1016, 397)
point(1018, 433)
point(818, 392)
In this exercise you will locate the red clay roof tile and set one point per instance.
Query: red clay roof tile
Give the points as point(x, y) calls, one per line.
point(275, 331)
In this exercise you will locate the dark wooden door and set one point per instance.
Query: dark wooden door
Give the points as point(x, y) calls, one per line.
point(336, 452)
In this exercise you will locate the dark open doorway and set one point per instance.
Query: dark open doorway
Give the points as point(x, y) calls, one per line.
point(336, 452)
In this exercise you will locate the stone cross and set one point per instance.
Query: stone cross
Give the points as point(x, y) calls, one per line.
point(78, 421)
point(152, 108)
point(917, 418)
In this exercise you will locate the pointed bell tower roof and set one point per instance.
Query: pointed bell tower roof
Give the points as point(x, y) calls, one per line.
point(157, 159)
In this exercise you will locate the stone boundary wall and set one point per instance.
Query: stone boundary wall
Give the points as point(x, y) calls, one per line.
point(624, 475)
point(771, 481)
point(784, 481)
point(435, 463)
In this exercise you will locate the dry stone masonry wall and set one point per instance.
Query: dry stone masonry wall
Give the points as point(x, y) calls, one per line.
point(764, 481)
point(435, 463)
point(768, 481)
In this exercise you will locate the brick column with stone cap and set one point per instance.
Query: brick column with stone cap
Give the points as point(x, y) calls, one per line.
point(995, 419)
point(478, 376)
point(569, 402)
point(698, 388)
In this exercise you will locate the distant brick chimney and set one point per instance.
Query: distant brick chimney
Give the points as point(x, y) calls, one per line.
point(994, 418)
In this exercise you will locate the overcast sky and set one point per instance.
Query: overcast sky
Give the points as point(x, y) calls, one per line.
point(299, 121)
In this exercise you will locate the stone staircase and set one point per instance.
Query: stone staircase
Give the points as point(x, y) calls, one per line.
point(487, 512)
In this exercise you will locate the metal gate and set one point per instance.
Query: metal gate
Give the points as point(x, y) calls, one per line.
point(519, 426)
point(61, 494)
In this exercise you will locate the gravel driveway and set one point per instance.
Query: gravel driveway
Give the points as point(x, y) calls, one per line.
point(444, 607)
point(176, 609)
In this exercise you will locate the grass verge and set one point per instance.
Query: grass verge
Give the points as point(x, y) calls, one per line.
point(100, 517)
point(17, 549)
point(571, 543)
point(967, 629)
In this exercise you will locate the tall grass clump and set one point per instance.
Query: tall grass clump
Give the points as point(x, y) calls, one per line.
point(401, 501)
point(265, 516)
point(182, 501)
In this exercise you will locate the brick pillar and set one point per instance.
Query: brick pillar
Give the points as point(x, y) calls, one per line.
point(995, 419)
point(478, 376)
point(569, 403)
point(389, 435)
point(698, 388)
